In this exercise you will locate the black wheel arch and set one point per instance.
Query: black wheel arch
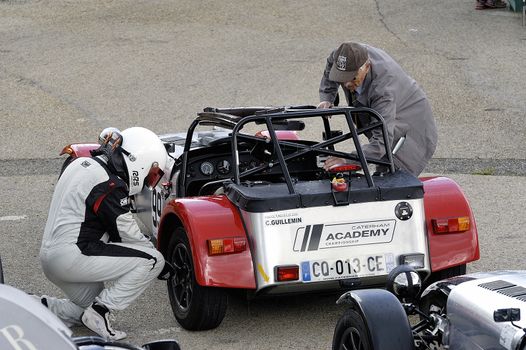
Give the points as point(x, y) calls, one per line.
point(386, 320)
point(169, 224)
point(523, 343)
point(448, 272)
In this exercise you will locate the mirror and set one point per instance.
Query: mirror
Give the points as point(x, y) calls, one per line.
point(507, 315)
point(162, 345)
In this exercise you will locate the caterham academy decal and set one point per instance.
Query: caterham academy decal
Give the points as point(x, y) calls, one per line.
point(314, 237)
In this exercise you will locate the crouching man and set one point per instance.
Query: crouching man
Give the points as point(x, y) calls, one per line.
point(92, 247)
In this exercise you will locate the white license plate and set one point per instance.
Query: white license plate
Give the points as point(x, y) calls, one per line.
point(362, 266)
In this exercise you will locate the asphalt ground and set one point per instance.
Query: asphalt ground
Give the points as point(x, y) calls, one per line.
point(70, 68)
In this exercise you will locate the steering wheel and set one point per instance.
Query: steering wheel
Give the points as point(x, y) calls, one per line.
point(210, 187)
point(225, 140)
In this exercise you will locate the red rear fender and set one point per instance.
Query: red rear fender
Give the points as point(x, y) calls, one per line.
point(444, 199)
point(206, 218)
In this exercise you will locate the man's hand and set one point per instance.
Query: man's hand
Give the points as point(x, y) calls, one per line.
point(331, 162)
point(325, 104)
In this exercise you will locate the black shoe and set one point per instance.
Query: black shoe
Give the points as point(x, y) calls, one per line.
point(41, 299)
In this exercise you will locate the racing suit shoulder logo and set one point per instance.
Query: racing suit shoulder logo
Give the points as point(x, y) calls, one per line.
point(135, 178)
point(85, 164)
point(125, 201)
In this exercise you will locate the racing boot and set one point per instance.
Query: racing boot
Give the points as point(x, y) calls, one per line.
point(42, 300)
point(97, 318)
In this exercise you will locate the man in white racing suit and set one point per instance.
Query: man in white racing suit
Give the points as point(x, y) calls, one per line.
point(91, 237)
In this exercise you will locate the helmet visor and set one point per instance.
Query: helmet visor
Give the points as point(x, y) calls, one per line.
point(154, 176)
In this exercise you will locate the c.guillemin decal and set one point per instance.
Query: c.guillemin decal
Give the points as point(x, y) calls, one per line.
point(282, 219)
point(314, 237)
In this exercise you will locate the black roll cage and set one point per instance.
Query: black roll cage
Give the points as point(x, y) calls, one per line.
point(279, 119)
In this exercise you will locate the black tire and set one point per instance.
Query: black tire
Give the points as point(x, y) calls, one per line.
point(196, 308)
point(351, 332)
point(1, 272)
point(446, 273)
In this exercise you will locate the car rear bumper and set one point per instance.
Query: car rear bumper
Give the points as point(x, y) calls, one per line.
point(326, 286)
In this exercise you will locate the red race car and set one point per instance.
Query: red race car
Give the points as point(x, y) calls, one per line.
point(245, 203)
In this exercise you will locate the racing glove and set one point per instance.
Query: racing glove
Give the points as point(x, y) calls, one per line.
point(167, 272)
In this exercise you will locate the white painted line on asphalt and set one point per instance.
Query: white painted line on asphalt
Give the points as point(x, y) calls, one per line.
point(13, 218)
point(170, 330)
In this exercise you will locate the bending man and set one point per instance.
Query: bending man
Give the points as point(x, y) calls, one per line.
point(370, 78)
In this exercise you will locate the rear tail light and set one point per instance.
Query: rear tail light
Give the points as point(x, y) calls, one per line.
point(450, 225)
point(287, 273)
point(226, 245)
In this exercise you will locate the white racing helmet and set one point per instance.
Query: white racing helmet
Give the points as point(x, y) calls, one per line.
point(145, 158)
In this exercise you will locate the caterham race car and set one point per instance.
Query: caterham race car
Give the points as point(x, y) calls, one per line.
point(477, 311)
point(245, 203)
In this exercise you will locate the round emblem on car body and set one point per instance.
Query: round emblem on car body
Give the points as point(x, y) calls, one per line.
point(404, 211)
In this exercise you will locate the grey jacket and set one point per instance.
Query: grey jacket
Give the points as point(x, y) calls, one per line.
point(400, 101)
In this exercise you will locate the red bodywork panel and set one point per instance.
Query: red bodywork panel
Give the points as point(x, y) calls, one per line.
point(209, 218)
point(77, 150)
point(443, 198)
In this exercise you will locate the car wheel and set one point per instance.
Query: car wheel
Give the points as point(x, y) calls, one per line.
point(351, 332)
point(195, 307)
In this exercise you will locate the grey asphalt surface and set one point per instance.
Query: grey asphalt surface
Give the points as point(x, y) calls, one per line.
point(70, 68)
